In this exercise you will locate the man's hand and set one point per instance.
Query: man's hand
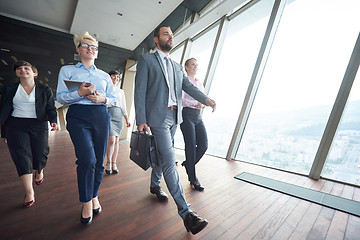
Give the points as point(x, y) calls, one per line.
point(4, 140)
point(143, 127)
point(96, 98)
point(86, 89)
point(211, 103)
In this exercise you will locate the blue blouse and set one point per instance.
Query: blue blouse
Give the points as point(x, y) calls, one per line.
point(79, 73)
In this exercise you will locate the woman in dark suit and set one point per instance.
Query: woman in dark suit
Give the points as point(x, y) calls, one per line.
point(25, 109)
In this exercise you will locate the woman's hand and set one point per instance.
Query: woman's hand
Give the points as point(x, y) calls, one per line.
point(86, 89)
point(96, 98)
point(4, 140)
point(199, 105)
point(54, 126)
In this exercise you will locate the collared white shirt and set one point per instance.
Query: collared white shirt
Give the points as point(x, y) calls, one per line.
point(162, 56)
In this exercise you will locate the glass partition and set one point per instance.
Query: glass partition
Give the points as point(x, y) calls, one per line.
point(233, 73)
point(201, 49)
point(309, 56)
point(177, 53)
point(343, 161)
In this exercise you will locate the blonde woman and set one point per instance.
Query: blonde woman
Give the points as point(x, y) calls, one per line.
point(87, 120)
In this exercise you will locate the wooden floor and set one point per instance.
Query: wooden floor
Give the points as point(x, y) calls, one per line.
point(235, 209)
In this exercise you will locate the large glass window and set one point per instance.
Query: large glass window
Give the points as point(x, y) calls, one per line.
point(233, 72)
point(201, 49)
point(177, 53)
point(309, 56)
point(343, 161)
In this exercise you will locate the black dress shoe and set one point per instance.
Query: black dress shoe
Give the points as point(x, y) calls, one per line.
point(160, 194)
point(194, 224)
point(183, 163)
point(197, 186)
point(97, 211)
point(85, 221)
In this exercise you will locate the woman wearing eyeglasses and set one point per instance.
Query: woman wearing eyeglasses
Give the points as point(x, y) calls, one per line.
point(87, 120)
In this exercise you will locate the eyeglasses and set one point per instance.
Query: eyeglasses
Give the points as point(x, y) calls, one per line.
point(85, 45)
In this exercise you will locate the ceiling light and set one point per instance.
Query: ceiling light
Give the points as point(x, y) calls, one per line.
point(4, 62)
point(5, 50)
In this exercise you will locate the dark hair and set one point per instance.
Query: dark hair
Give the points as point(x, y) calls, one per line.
point(24, 63)
point(114, 72)
point(157, 30)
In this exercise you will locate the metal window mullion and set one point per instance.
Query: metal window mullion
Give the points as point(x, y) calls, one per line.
point(336, 112)
point(186, 51)
point(274, 20)
point(215, 54)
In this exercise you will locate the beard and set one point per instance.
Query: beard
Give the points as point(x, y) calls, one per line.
point(165, 46)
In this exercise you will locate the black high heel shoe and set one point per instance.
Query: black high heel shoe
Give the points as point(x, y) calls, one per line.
point(97, 211)
point(114, 170)
point(197, 186)
point(108, 172)
point(85, 221)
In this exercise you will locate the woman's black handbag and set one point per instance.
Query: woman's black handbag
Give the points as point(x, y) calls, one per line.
point(143, 149)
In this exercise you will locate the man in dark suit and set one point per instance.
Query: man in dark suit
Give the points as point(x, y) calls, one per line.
point(159, 83)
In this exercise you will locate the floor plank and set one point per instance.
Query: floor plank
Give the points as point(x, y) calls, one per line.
point(235, 209)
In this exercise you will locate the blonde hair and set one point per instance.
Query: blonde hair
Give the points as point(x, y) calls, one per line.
point(85, 35)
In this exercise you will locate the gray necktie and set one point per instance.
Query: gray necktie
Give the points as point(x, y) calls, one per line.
point(171, 79)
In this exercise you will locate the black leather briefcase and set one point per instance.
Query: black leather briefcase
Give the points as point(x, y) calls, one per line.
point(143, 149)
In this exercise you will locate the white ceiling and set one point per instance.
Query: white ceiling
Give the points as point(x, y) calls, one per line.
point(124, 23)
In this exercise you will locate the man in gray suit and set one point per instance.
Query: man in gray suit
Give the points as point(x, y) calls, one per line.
point(158, 94)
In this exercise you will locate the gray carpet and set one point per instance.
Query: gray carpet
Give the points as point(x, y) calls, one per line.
point(324, 199)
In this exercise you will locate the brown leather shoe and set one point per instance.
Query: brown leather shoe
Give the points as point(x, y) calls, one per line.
point(194, 224)
point(160, 194)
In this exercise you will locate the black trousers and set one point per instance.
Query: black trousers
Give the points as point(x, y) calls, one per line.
point(27, 139)
point(195, 138)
